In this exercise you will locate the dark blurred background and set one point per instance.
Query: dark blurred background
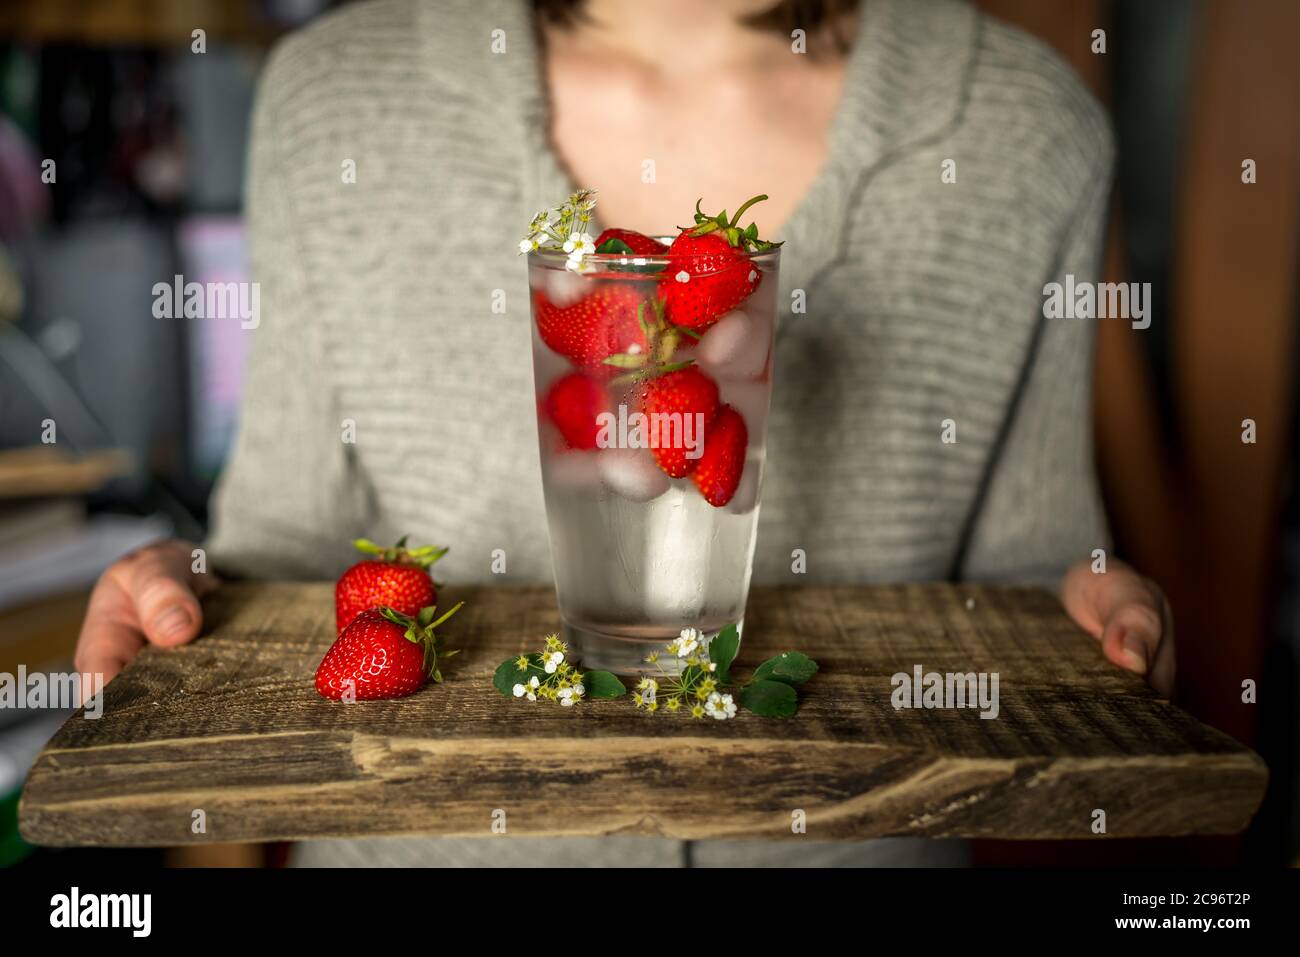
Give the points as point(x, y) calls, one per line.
point(145, 141)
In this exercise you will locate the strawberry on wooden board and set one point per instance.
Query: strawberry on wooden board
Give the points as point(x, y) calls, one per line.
point(709, 270)
point(608, 321)
point(684, 391)
point(572, 402)
point(383, 654)
point(397, 577)
point(629, 241)
point(718, 471)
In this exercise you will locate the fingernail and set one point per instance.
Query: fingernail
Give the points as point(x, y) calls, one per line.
point(1135, 656)
point(172, 623)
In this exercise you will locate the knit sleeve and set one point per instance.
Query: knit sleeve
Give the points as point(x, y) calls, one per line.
point(288, 502)
point(1041, 508)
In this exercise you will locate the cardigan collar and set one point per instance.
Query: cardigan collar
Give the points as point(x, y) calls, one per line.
point(905, 83)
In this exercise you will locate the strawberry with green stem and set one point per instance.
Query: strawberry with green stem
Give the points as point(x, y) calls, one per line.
point(397, 577)
point(383, 654)
point(709, 270)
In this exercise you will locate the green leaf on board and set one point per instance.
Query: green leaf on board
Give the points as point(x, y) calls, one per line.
point(722, 651)
point(603, 684)
point(772, 699)
point(509, 674)
point(791, 667)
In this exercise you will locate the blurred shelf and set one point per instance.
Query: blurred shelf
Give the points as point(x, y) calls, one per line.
point(42, 633)
point(158, 23)
point(43, 470)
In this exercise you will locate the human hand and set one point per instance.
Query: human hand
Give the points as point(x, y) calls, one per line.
point(150, 596)
point(1128, 614)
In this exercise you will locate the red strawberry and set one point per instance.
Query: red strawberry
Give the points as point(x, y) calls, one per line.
point(709, 271)
point(705, 279)
point(601, 324)
point(397, 577)
point(639, 243)
point(685, 391)
point(718, 471)
point(572, 402)
point(382, 654)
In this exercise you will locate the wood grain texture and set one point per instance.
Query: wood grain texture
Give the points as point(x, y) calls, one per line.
point(231, 724)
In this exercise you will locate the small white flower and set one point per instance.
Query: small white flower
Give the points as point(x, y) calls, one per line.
point(519, 691)
point(567, 697)
point(579, 689)
point(686, 643)
point(683, 276)
point(531, 691)
point(720, 706)
point(579, 245)
point(552, 661)
point(712, 666)
point(529, 244)
point(533, 682)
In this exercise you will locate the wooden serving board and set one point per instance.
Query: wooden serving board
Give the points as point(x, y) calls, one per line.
point(232, 726)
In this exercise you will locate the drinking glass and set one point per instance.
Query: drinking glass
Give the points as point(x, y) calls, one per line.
point(639, 555)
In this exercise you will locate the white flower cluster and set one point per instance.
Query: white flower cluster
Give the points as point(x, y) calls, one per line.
point(577, 246)
point(693, 688)
point(564, 229)
point(694, 648)
point(564, 683)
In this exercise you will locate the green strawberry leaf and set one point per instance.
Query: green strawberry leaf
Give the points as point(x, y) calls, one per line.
point(603, 684)
point(617, 247)
point(614, 246)
point(722, 651)
point(790, 667)
point(771, 699)
point(509, 674)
